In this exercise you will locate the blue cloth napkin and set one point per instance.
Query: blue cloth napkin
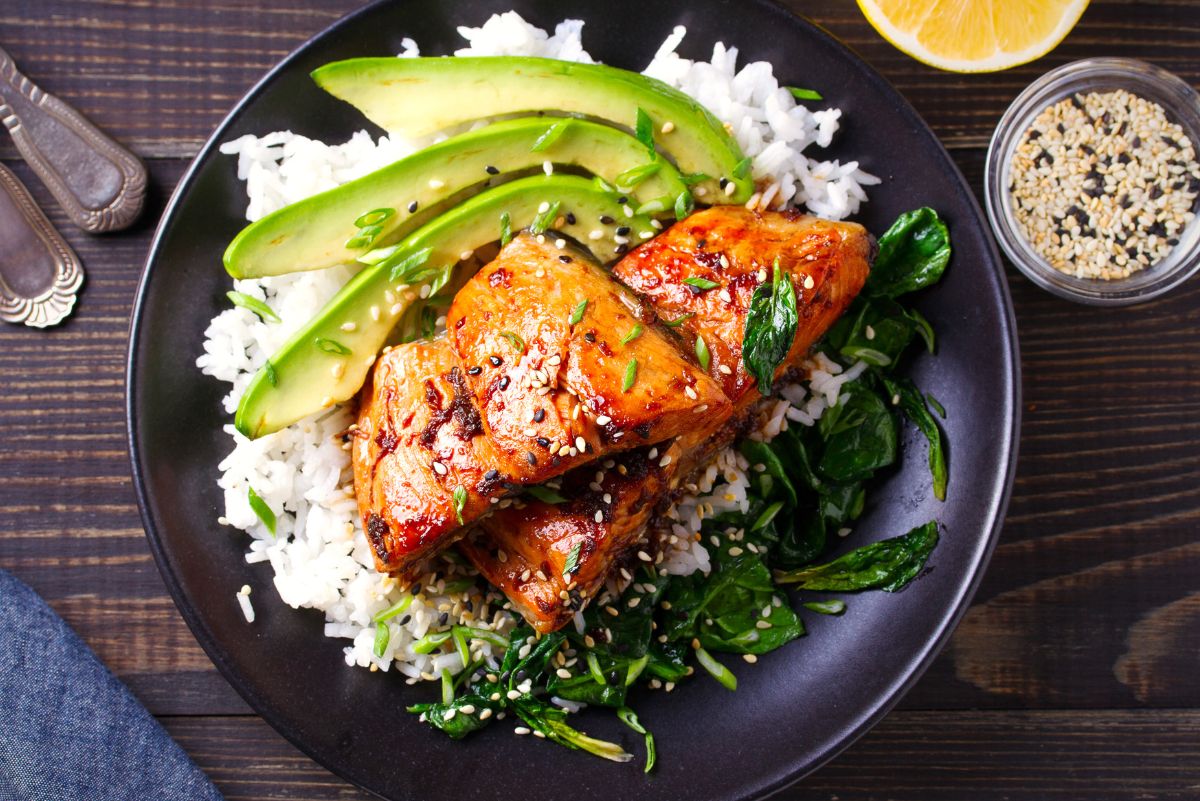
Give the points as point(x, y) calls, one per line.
point(69, 731)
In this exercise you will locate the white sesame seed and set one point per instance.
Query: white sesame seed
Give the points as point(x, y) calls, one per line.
point(374, 311)
point(596, 234)
point(599, 517)
point(603, 420)
point(581, 444)
point(547, 168)
point(809, 283)
point(645, 557)
point(434, 183)
point(520, 729)
point(349, 327)
point(730, 188)
point(338, 370)
point(667, 127)
point(440, 468)
point(543, 207)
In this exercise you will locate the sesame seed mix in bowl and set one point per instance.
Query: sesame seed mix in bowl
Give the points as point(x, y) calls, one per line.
point(747, 513)
point(1104, 184)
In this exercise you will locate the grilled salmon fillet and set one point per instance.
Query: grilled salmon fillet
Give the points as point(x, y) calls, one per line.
point(551, 559)
point(544, 335)
point(417, 440)
point(828, 264)
point(735, 248)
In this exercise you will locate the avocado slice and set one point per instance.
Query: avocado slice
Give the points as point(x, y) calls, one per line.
point(418, 96)
point(313, 233)
point(327, 361)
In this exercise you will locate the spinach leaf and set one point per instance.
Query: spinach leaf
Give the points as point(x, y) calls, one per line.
point(860, 435)
point(913, 254)
point(551, 721)
point(803, 542)
point(762, 453)
point(452, 719)
point(668, 661)
point(886, 565)
point(882, 330)
point(913, 405)
point(770, 328)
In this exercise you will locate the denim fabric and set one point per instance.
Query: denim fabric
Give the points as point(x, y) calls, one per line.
point(69, 731)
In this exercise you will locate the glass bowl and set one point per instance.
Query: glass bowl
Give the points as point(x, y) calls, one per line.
point(1182, 106)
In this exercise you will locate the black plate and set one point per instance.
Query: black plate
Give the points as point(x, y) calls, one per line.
point(797, 707)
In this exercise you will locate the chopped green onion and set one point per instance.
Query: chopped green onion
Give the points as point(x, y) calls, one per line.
point(718, 671)
point(261, 510)
point(743, 168)
point(678, 321)
point(655, 206)
point(374, 217)
point(635, 669)
point(633, 334)
point(572, 563)
point(937, 407)
point(545, 494)
point(382, 636)
point(603, 185)
point(447, 687)
point(594, 668)
point(394, 609)
point(696, 178)
point(332, 346)
point(505, 229)
point(459, 585)
point(577, 312)
point(460, 643)
point(767, 516)
point(684, 204)
point(834, 607)
point(359, 241)
point(628, 717)
point(405, 269)
point(377, 255)
point(869, 355)
point(371, 231)
point(485, 636)
point(273, 377)
point(644, 129)
point(804, 94)
point(636, 175)
point(702, 353)
point(255, 305)
point(700, 283)
point(550, 136)
point(545, 220)
point(440, 278)
point(460, 502)
point(429, 642)
point(630, 375)
point(516, 341)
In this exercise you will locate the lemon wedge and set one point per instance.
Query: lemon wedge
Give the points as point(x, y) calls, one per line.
point(973, 35)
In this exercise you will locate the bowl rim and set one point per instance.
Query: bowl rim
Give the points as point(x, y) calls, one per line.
point(1182, 104)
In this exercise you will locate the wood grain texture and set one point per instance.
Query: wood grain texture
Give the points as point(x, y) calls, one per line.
point(1089, 613)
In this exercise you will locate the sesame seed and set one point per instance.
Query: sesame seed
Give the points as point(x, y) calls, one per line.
point(730, 188)
point(543, 207)
point(412, 207)
point(374, 311)
point(596, 234)
point(434, 183)
point(338, 370)
point(440, 468)
point(667, 127)
point(563, 673)
point(725, 296)
point(349, 327)
point(691, 393)
point(725, 369)
point(870, 332)
point(519, 729)
point(809, 283)
point(603, 420)
point(751, 658)
point(466, 254)
point(490, 170)
point(547, 168)
point(581, 444)
point(645, 557)
point(599, 517)
point(762, 624)
point(666, 460)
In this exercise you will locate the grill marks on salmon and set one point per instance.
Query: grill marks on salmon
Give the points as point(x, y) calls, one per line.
point(828, 264)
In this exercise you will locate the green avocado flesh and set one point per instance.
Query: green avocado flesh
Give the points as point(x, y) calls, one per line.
point(313, 233)
point(326, 362)
point(418, 96)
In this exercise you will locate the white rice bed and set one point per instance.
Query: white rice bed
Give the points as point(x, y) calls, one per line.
point(319, 556)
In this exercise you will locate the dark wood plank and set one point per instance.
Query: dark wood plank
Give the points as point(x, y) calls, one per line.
point(910, 756)
point(161, 75)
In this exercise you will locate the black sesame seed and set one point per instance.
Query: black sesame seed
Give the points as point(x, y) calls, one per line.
point(495, 360)
point(492, 474)
point(621, 249)
point(570, 218)
point(476, 370)
point(405, 620)
point(565, 259)
point(521, 675)
point(539, 415)
point(1137, 142)
point(723, 182)
point(589, 336)
point(622, 199)
point(545, 443)
point(623, 230)
point(504, 383)
point(606, 220)
point(491, 170)
point(1155, 192)
point(529, 457)
point(444, 618)
point(412, 207)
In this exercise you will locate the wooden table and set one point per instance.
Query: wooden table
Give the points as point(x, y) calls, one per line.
point(1075, 675)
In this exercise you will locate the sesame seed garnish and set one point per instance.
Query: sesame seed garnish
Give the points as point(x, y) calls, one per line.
point(725, 296)
point(338, 370)
point(547, 168)
point(596, 234)
point(434, 183)
point(645, 557)
point(440, 468)
point(735, 551)
point(667, 127)
point(691, 393)
point(628, 211)
point(581, 444)
point(725, 369)
point(730, 188)
point(762, 624)
point(666, 460)
point(412, 207)
point(751, 658)
point(374, 311)
point(490, 170)
point(543, 207)
point(603, 420)
point(809, 283)
point(599, 516)
point(1104, 184)
point(466, 254)
point(349, 327)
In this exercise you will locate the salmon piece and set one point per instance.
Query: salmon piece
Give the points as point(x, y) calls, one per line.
point(828, 263)
point(585, 533)
point(418, 439)
point(539, 332)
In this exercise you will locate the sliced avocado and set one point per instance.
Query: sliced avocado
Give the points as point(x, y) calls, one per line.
point(417, 96)
point(327, 361)
point(313, 233)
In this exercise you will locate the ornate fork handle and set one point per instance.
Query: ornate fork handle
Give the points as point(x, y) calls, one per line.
point(100, 184)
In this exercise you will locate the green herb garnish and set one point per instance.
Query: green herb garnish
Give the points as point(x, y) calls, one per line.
point(374, 217)
point(544, 494)
point(722, 674)
point(545, 219)
point(255, 305)
point(742, 169)
point(696, 178)
point(577, 312)
point(629, 179)
point(804, 94)
point(550, 136)
point(393, 610)
point(684, 204)
point(382, 636)
point(678, 321)
point(630, 375)
point(505, 229)
point(406, 269)
point(460, 502)
point(702, 353)
point(572, 563)
point(644, 130)
point(261, 510)
point(332, 346)
point(770, 328)
point(272, 376)
point(628, 717)
point(633, 334)
point(700, 283)
point(514, 340)
point(834, 607)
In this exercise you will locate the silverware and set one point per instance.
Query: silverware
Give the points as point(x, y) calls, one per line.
point(100, 184)
point(39, 273)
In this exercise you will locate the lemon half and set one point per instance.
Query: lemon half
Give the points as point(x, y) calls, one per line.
point(973, 35)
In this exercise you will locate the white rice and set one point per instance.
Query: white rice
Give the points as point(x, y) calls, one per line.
point(319, 556)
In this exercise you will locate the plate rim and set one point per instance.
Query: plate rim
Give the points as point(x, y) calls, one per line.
point(911, 671)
